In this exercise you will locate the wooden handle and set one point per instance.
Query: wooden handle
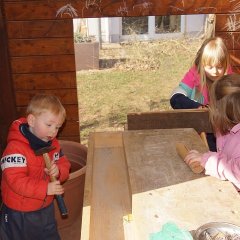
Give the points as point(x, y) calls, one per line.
point(48, 165)
point(59, 198)
point(182, 151)
point(204, 139)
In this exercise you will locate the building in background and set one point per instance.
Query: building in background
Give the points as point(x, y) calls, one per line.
point(119, 29)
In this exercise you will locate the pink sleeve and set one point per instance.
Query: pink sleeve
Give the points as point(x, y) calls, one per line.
point(217, 165)
point(190, 78)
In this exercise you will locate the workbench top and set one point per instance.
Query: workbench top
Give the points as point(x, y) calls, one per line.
point(140, 173)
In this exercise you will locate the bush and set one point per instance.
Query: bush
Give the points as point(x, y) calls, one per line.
point(79, 38)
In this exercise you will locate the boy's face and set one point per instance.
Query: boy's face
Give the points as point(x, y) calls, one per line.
point(45, 126)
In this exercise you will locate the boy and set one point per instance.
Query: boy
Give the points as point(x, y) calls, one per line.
point(27, 193)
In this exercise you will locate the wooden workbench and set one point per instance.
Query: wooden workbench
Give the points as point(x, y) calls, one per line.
point(139, 172)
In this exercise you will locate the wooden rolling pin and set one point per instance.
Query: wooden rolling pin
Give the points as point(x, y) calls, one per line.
point(182, 151)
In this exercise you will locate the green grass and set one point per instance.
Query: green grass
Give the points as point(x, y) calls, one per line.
point(143, 83)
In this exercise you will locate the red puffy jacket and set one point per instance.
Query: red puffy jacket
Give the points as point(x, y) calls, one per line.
point(24, 182)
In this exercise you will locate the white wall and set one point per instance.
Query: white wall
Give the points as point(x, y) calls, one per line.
point(192, 24)
point(111, 28)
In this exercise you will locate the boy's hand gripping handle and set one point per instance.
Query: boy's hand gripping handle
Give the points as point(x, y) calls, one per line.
point(59, 198)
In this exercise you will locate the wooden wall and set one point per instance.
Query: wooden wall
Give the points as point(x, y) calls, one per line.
point(7, 101)
point(228, 27)
point(38, 45)
point(42, 60)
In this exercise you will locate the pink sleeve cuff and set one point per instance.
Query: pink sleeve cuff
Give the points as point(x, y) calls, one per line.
point(205, 157)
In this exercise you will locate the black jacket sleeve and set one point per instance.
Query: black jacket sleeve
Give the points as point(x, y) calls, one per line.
point(180, 101)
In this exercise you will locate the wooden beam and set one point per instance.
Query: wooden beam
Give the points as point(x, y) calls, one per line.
point(22, 10)
point(197, 119)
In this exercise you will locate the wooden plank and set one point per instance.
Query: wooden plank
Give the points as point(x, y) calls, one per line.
point(37, 64)
point(165, 189)
point(67, 96)
point(106, 197)
point(227, 22)
point(41, 46)
point(70, 128)
point(22, 10)
point(40, 28)
point(57, 80)
point(231, 39)
point(86, 212)
point(70, 138)
point(194, 118)
point(7, 99)
point(189, 205)
point(235, 57)
point(71, 110)
point(158, 148)
point(236, 69)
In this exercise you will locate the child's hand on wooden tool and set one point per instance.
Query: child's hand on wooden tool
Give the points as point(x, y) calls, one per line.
point(53, 170)
point(191, 158)
point(55, 188)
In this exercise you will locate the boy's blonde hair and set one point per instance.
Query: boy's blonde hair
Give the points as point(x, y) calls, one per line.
point(224, 104)
point(43, 102)
point(213, 52)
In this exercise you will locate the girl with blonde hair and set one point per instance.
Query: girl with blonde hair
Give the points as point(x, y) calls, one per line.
point(210, 64)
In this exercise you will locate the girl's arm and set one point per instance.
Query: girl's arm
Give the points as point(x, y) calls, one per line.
point(180, 101)
point(182, 96)
point(217, 165)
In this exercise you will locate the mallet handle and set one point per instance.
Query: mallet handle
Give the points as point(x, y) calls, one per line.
point(59, 198)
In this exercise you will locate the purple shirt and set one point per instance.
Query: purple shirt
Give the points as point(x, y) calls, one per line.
point(225, 163)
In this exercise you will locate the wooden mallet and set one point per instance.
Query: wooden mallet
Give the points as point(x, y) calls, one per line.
point(60, 201)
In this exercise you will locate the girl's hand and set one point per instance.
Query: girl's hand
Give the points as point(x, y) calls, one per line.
point(203, 106)
point(193, 156)
point(55, 188)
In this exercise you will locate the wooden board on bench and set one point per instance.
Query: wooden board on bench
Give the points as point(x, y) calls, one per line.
point(192, 118)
